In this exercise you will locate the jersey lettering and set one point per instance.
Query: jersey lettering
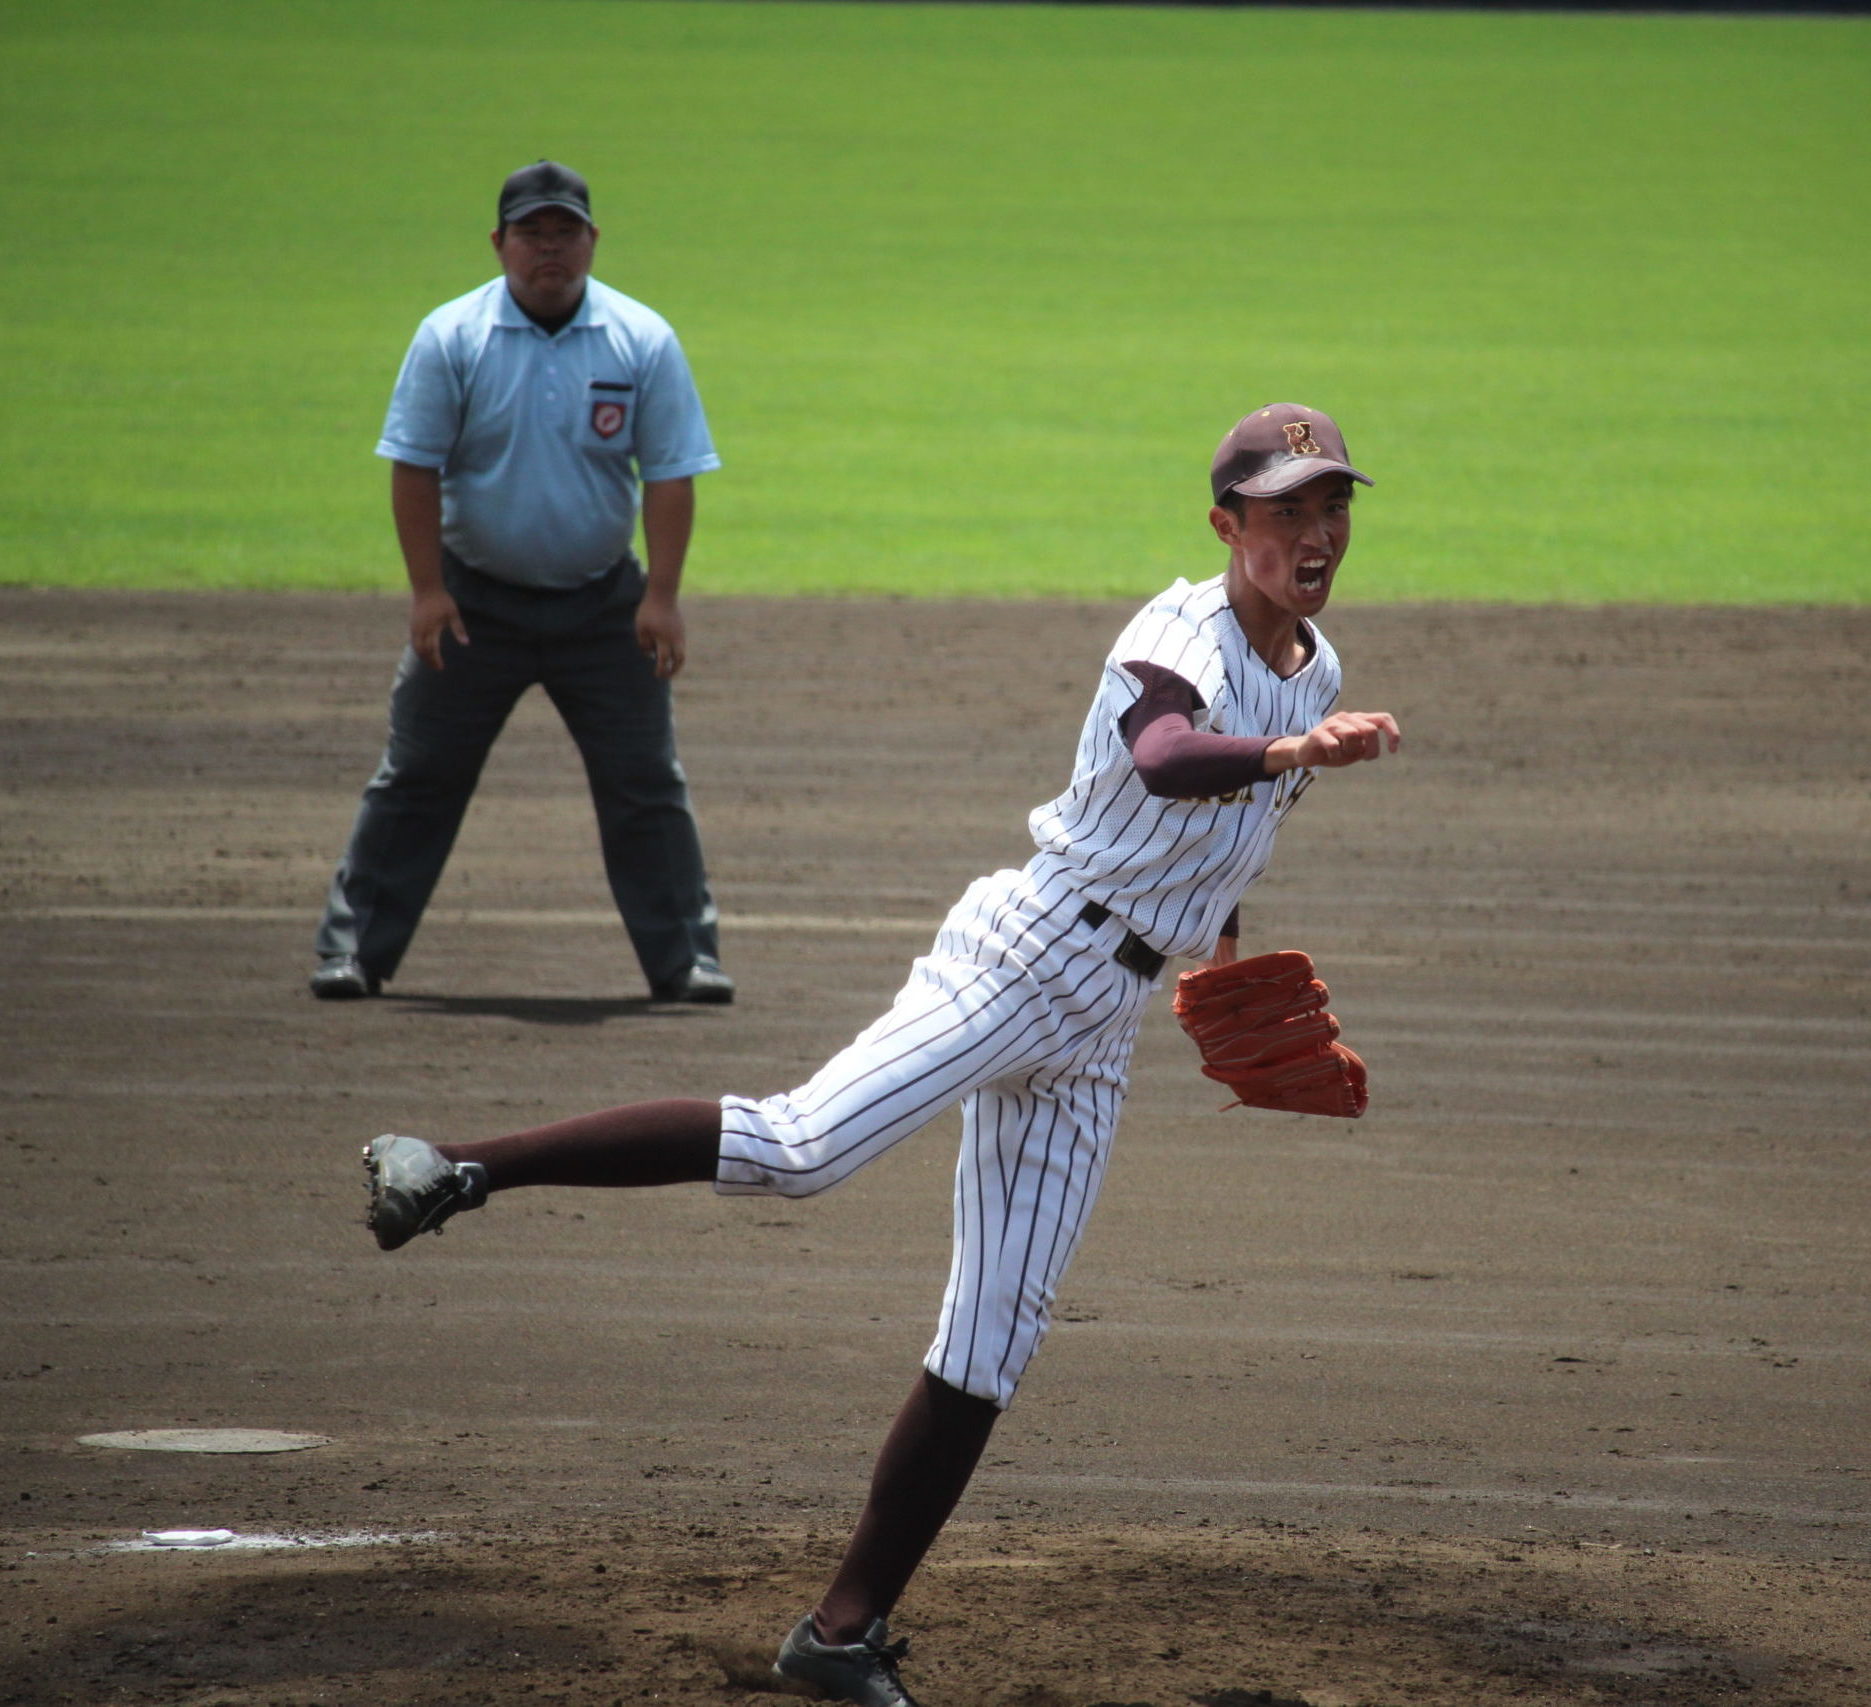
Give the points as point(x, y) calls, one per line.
point(1288, 786)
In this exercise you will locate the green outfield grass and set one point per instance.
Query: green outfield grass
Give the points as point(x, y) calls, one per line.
point(971, 290)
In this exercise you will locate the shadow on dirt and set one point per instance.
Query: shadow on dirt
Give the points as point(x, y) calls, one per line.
point(295, 1628)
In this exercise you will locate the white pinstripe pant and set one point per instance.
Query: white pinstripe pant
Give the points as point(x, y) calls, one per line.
point(1020, 1013)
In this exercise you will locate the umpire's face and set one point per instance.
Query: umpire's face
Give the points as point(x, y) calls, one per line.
point(547, 258)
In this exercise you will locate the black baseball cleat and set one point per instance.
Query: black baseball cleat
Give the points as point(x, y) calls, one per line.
point(342, 978)
point(864, 1672)
point(704, 983)
point(414, 1188)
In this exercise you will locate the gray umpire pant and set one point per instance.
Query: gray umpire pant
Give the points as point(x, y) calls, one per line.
point(581, 648)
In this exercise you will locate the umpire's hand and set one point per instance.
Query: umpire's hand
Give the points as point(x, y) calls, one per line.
point(431, 615)
point(661, 634)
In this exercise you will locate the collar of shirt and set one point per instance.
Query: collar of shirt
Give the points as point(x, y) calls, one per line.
point(510, 316)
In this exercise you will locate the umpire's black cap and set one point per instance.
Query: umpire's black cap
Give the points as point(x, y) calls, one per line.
point(1277, 448)
point(543, 184)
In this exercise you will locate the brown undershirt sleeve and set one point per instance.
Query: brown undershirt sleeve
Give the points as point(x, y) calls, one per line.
point(1177, 761)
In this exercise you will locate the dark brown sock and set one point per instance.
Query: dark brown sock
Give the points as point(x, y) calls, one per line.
point(929, 1454)
point(640, 1143)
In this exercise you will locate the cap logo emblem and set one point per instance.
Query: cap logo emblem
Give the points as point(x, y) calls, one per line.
point(607, 419)
point(1299, 439)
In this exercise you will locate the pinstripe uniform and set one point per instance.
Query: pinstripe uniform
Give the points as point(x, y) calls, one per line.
point(1020, 1012)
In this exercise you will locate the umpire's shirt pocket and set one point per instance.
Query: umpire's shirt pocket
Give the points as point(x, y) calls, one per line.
point(610, 417)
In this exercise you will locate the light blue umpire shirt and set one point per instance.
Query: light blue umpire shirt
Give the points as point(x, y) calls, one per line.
point(543, 441)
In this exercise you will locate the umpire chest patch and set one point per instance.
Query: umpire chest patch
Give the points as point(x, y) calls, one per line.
point(607, 417)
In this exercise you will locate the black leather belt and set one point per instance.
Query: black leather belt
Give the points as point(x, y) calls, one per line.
point(1133, 953)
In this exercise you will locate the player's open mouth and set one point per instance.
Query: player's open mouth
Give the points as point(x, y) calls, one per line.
point(1311, 573)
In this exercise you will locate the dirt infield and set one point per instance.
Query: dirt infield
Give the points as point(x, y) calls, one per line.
point(1547, 1382)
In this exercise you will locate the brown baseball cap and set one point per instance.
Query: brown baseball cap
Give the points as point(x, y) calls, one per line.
point(545, 183)
point(1277, 448)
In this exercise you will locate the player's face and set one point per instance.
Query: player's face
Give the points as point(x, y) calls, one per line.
point(1286, 550)
point(546, 257)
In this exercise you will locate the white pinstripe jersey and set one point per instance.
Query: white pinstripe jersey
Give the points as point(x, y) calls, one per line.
point(1173, 869)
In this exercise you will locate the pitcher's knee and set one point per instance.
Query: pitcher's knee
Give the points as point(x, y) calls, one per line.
point(737, 1178)
point(766, 1150)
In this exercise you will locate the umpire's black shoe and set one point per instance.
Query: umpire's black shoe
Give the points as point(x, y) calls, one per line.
point(414, 1188)
point(865, 1672)
point(342, 978)
point(703, 983)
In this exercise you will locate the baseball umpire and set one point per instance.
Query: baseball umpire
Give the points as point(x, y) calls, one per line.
point(532, 419)
point(1214, 711)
